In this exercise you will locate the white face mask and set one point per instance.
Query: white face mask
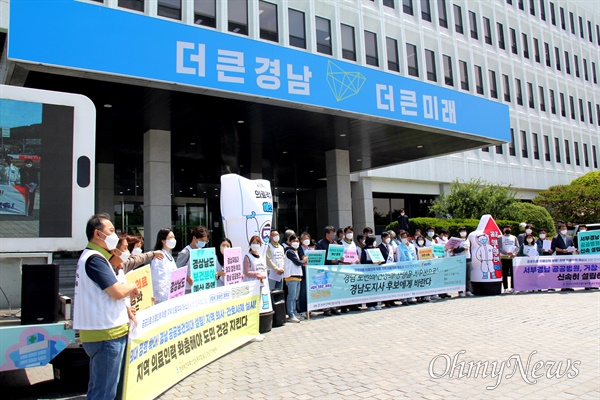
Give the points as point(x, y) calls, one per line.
point(563, 232)
point(199, 244)
point(463, 234)
point(388, 240)
point(430, 234)
point(349, 236)
point(111, 241)
point(421, 243)
point(404, 240)
point(255, 247)
point(374, 244)
point(529, 241)
point(542, 236)
point(362, 242)
point(528, 231)
point(306, 242)
point(295, 245)
point(275, 239)
point(124, 255)
point(136, 250)
point(170, 243)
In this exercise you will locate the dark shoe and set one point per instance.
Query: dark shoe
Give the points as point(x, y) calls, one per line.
point(344, 310)
point(327, 313)
point(567, 289)
point(336, 311)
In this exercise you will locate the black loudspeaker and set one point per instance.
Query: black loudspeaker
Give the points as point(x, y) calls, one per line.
point(39, 294)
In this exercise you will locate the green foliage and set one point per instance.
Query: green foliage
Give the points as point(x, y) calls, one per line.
point(473, 199)
point(574, 203)
point(530, 213)
point(589, 179)
point(451, 224)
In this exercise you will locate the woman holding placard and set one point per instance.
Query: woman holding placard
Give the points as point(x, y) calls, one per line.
point(161, 269)
point(255, 265)
point(292, 275)
point(225, 244)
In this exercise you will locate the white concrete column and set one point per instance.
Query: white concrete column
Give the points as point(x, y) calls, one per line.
point(157, 184)
point(339, 197)
point(105, 188)
point(362, 204)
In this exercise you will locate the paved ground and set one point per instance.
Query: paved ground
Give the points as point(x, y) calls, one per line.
point(387, 354)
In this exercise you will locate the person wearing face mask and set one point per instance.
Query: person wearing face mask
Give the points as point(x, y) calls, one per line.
point(305, 242)
point(323, 244)
point(431, 237)
point(528, 231)
point(350, 246)
point(161, 269)
point(126, 257)
point(406, 252)
point(255, 265)
point(420, 242)
point(293, 277)
point(386, 249)
point(542, 235)
point(508, 246)
point(225, 244)
point(403, 220)
point(30, 176)
point(563, 245)
point(360, 245)
point(200, 236)
point(365, 258)
point(102, 314)
point(529, 247)
point(275, 261)
point(465, 249)
point(580, 228)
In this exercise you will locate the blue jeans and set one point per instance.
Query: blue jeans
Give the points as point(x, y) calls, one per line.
point(274, 285)
point(105, 367)
point(292, 297)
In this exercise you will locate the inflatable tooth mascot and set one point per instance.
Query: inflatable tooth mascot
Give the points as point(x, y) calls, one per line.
point(247, 210)
point(486, 271)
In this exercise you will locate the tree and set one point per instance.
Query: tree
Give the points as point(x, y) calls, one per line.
point(536, 215)
point(577, 202)
point(475, 198)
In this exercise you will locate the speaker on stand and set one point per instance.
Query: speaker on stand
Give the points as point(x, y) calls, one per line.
point(39, 294)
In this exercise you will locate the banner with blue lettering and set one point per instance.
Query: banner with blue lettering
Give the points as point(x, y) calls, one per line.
point(332, 286)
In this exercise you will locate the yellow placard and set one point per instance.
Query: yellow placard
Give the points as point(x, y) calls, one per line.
point(425, 253)
point(143, 280)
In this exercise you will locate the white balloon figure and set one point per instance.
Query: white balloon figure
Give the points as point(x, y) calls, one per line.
point(485, 256)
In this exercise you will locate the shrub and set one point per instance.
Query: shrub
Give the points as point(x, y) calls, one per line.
point(451, 224)
point(530, 213)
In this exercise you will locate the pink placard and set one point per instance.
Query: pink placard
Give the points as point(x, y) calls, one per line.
point(233, 266)
point(350, 256)
point(178, 282)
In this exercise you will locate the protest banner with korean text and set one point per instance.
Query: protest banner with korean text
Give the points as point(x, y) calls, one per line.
point(553, 272)
point(315, 257)
point(335, 252)
point(177, 287)
point(175, 338)
point(375, 255)
point(143, 280)
point(425, 253)
point(233, 266)
point(333, 286)
point(438, 250)
point(203, 269)
point(588, 242)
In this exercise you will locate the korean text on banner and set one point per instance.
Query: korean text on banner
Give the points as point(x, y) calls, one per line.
point(375, 255)
point(203, 269)
point(350, 256)
point(335, 252)
point(177, 287)
point(175, 338)
point(589, 242)
point(233, 266)
point(315, 257)
point(332, 286)
point(438, 250)
point(142, 279)
point(425, 253)
point(555, 272)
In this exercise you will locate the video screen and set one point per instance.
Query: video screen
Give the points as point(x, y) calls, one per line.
point(36, 169)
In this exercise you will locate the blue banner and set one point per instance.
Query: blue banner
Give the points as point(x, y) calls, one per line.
point(333, 286)
point(93, 37)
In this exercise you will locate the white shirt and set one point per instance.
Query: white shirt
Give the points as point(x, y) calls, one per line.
point(161, 276)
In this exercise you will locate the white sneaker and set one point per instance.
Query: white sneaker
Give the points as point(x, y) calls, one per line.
point(412, 300)
point(293, 319)
point(258, 338)
point(461, 294)
point(469, 294)
point(435, 297)
point(378, 307)
point(371, 309)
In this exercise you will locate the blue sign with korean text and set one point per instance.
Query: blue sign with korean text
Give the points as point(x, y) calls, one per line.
point(93, 37)
point(588, 242)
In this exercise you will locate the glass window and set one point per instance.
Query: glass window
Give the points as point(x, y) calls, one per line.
point(576, 63)
point(478, 79)
point(493, 87)
point(464, 75)
point(567, 152)
point(392, 54)
point(572, 106)
point(500, 36)
point(542, 99)
point(371, 49)
point(297, 28)
point(531, 7)
point(169, 9)
point(525, 46)
point(513, 41)
point(524, 152)
point(586, 158)
point(136, 5)
point(546, 148)
point(557, 57)
point(473, 25)
point(458, 22)
point(581, 31)
point(348, 43)
point(521, 7)
point(590, 112)
point(563, 25)
point(389, 3)
point(581, 113)
point(411, 60)
point(519, 92)
point(542, 10)
point(442, 16)
point(511, 144)
point(536, 147)
point(530, 95)
point(598, 34)
point(594, 156)
point(567, 63)
point(563, 108)
point(448, 75)
point(594, 72)
point(506, 82)
point(267, 17)
point(425, 10)
point(576, 148)
point(205, 13)
point(572, 20)
point(552, 14)
point(598, 113)
point(323, 27)
point(557, 149)
point(585, 70)
point(547, 51)
point(407, 7)
point(552, 102)
point(430, 65)
point(536, 50)
point(487, 30)
point(238, 16)
point(499, 149)
point(590, 35)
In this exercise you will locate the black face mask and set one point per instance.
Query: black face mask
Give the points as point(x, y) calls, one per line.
point(507, 232)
